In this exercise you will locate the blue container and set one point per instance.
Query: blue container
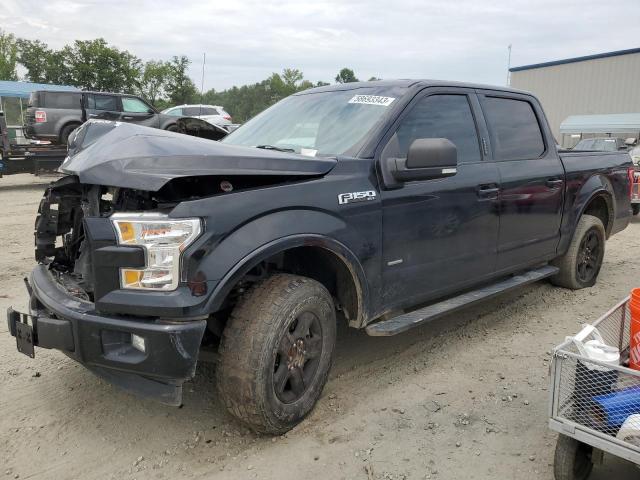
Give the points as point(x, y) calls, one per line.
point(613, 408)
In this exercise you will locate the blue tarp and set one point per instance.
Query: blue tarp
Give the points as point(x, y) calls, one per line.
point(24, 89)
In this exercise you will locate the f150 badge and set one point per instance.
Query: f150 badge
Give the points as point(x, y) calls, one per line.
point(353, 197)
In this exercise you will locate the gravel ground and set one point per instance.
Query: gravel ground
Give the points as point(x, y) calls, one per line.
point(465, 397)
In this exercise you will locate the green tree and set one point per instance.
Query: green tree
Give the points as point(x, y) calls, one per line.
point(373, 79)
point(154, 81)
point(94, 65)
point(180, 88)
point(346, 75)
point(8, 56)
point(291, 77)
point(43, 64)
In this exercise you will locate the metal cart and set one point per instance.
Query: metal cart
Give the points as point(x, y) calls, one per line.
point(593, 405)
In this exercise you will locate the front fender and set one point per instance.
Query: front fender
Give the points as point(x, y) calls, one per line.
point(268, 235)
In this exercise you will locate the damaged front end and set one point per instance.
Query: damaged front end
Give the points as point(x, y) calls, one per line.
point(79, 262)
point(118, 285)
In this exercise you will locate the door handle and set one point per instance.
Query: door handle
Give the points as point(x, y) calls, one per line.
point(489, 191)
point(93, 114)
point(554, 182)
point(127, 117)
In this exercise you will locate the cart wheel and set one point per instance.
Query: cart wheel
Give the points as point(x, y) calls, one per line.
point(572, 460)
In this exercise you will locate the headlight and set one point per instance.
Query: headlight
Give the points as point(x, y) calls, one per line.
point(163, 240)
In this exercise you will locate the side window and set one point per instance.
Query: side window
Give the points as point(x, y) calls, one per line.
point(62, 100)
point(515, 131)
point(442, 116)
point(134, 105)
point(102, 102)
point(175, 112)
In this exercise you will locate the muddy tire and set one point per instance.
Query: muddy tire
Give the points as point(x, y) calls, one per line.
point(276, 352)
point(579, 267)
point(572, 459)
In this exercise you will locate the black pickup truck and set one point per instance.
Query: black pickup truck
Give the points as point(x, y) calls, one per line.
point(386, 204)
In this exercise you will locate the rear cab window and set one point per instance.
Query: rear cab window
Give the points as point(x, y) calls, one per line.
point(514, 128)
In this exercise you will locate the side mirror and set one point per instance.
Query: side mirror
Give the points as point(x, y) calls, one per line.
point(151, 110)
point(427, 159)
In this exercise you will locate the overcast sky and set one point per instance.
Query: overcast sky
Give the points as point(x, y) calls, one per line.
point(246, 40)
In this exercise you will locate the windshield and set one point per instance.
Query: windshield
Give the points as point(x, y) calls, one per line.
point(598, 144)
point(324, 123)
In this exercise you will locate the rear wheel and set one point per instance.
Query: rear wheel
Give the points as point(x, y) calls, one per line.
point(66, 132)
point(579, 267)
point(276, 352)
point(572, 459)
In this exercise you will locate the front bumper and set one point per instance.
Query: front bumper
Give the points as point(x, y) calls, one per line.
point(103, 343)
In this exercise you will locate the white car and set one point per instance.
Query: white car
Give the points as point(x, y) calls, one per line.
point(212, 114)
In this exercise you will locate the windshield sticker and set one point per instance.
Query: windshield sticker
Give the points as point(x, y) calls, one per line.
point(309, 152)
point(372, 100)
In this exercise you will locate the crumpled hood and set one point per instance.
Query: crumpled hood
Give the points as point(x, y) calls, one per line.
point(131, 156)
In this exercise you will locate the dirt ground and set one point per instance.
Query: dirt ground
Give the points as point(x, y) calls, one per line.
point(464, 398)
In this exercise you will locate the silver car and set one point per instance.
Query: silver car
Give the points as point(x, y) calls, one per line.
point(212, 114)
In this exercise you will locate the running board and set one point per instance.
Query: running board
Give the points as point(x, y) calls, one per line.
point(406, 321)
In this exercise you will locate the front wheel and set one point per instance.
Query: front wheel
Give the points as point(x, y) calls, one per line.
point(579, 267)
point(572, 459)
point(276, 352)
point(172, 128)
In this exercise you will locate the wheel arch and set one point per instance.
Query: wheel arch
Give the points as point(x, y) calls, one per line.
point(342, 273)
point(66, 123)
point(594, 197)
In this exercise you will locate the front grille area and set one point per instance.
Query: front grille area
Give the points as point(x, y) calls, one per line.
point(75, 239)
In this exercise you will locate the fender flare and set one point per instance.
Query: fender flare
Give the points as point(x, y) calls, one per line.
point(231, 278)
point(595, 186)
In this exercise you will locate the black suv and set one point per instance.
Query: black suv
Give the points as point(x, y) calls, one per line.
point(54, 115)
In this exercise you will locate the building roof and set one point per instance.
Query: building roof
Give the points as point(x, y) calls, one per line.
point(576, 59)
point(610, 123)
point(24, 89)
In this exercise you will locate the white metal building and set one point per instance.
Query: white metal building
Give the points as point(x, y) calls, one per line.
point(606, 83)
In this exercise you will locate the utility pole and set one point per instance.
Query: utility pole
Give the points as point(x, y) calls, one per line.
point(509, 66)
point(204, 61)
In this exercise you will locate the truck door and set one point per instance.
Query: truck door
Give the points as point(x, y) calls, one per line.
point(135, 110)
point(439, 235)
point(102, 106)
point(531, 179)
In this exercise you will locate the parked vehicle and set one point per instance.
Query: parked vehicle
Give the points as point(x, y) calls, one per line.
point(605, 144)
point(158, 250)
point(213, 114)
point(54, 115)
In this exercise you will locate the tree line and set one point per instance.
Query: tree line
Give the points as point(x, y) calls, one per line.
point(96, 65)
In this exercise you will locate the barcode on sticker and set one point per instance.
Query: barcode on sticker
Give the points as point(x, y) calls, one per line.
point(372, 100)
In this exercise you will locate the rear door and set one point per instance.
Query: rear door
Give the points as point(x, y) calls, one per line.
point(103, 106)
point(531, 179)
point(439, 235)
point(134, 110)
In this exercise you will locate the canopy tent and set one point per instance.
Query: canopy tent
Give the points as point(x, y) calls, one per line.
point(24, 89)
point(610, 123)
